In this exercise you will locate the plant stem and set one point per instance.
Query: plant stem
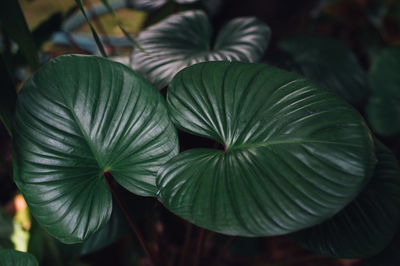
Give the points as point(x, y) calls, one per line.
point(132, 224)
point(186, 243)
point(225, 248)
point(101, 28)
point(199, 246)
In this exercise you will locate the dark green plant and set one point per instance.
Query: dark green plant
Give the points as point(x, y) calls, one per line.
point(288, 156)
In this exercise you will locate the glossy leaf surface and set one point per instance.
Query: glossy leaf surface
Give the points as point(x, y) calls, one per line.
point(9, 257)
point(329, 62)
point(383, 109)
point(77, 117)
point(368, 224)
point(295, 153)
point(184, 39)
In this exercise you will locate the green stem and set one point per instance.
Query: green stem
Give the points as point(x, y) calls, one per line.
point(132, 224)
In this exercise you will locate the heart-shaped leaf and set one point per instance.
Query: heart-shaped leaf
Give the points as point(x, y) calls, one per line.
point(368, 224)
point(9, 257)
point(184, 39)
point(76, 118)
point(383, 109)
point(295, 154)
point(330, 62)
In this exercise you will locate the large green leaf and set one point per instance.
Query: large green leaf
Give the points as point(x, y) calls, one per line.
point(295, 154)
point(383, 109)
point(331, 63)
point(9, 257)
point(368, 224)
point(77, 117)
point(184, 39)
point(13, 22)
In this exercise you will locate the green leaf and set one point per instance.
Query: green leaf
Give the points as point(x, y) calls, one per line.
point(368, 224)
point(13, 23)
point(8, 97)
point(184, 39)
point(77, 117)
point(331, 63)
point(9, 257)
point(383, 108)
point(295, 154)
point(94, 33)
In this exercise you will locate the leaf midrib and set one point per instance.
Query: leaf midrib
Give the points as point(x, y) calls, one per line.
point(81, 129)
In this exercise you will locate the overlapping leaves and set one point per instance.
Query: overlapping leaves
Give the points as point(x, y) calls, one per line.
point(295, 154)
point(368, 224)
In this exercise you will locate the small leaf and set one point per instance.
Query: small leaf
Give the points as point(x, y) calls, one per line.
point(368, 224)
point(77, 117)
point(10, 257)
point(295, 154)
point(329, 62)
point(13, 23)
point(184, 39)
point(383, 109)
